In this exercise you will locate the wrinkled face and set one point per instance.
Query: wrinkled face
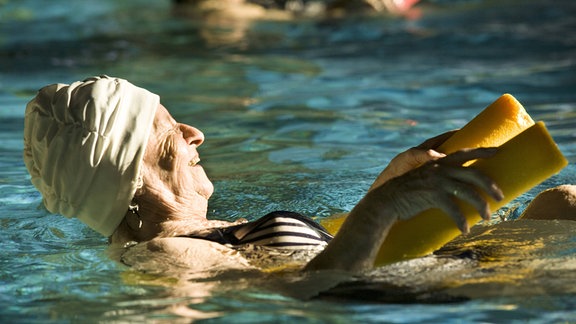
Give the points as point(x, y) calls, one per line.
point(172, 177)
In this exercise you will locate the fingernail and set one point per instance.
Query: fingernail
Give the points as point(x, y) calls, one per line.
point(497, 193)
point(464, 228)
point(487, 214)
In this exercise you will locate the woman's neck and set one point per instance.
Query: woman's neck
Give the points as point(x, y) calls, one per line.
point(134, 229)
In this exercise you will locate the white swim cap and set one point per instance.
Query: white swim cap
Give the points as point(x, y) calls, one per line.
point(83, 146)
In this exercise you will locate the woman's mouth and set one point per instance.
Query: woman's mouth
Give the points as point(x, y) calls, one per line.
point(194, 161)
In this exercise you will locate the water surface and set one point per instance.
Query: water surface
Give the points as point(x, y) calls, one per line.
point(299, 115)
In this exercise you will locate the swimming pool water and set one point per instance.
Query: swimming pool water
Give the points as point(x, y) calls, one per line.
point(298, 115)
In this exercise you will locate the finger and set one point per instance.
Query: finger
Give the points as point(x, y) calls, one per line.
point(405, 162)
point(476, 178)
point(434, 142)
point(470, 195)
point(419, 156)
point(453, 210)
point(463, 156)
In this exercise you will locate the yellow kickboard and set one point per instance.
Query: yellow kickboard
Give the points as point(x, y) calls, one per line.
point(496, 124)
point(520, 164)
point(515, 169)
point(333, 223)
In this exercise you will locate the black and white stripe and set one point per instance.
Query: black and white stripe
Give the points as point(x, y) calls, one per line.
point(282, 229)
point(277, 229)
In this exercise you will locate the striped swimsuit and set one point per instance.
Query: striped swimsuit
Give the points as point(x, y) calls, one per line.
point(277, 229)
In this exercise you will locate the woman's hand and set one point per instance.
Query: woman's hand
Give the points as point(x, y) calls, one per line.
point(436, 184)
point(412, 159)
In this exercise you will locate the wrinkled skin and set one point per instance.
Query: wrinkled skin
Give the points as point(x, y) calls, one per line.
point(412, 159)
point(434, 184)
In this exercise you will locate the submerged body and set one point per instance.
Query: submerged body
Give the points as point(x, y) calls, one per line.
point(512, 258)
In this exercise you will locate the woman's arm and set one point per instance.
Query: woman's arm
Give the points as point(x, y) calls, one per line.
point(435, 184)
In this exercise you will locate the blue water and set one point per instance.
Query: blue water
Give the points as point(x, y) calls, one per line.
point(298, 114)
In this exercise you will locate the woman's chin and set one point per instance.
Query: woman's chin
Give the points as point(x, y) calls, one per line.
point(203, 184)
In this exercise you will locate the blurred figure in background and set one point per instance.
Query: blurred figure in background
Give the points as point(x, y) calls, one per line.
point(304, 7)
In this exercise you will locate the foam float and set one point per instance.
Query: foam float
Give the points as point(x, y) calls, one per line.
point(527, 156)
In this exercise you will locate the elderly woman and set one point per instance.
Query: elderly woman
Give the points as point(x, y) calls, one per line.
point(108, 153)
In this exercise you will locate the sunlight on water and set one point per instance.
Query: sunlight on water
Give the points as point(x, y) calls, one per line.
point(299, 115)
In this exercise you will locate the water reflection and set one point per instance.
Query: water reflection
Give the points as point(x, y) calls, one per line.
point(511, 259)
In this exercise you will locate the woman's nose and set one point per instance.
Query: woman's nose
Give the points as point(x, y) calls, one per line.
point(192, 135)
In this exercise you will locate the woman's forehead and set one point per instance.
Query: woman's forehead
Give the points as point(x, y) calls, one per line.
point(163, 121)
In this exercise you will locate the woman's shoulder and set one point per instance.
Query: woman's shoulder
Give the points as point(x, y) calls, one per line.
point(167, 255)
